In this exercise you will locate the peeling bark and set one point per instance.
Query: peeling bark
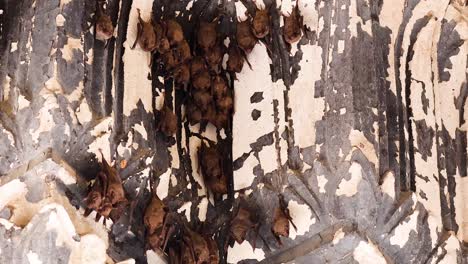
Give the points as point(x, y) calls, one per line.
point(360, 125)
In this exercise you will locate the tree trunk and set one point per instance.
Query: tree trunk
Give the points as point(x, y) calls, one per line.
point(360, 125)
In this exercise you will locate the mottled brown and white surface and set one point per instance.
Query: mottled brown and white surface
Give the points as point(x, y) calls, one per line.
point(362, 123)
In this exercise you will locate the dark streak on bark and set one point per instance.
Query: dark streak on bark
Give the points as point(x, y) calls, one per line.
point(405, 177)
point(424, 138)
point(117, 132)
point(408, 112)
point(386, 109)
point(448, 45)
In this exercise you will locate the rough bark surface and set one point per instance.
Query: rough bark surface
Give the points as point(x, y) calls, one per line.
point(361, 125)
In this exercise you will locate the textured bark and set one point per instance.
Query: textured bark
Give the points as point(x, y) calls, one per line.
point(360, 125)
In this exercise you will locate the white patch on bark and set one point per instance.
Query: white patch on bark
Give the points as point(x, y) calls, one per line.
point(14, 46)
point(185, 207)
point(244, 251)
point(33, 258)
point(173, 180)
point(245, 130)
point(391, 17)
point(6, 87)
point(339, 234)
point(321, 181)
point(349, 187)
point(359, 140)
point(60, 222)
point(244, 176)
point(154, 258)
point(402, 231)
point(141, 129)
point(163, 187)
point(189, 5)
point(286, 7)
point(46, 120)
point(137, 86)
point(7, 224)
point(60, 20)
point(62, 2)
point(127, 261)
point(302, 217)
point(23, 102)
point(267, 158)
point(302, 94)
point(388, 184)
point(11, 191)
point(259, 4)
point(194, 144)
point(241, 11)
point(452, 249)
point(8, 134)
point(101, 132)
point(461, 207)
point(91, 250)
point(367, 252)
point(202, 209)
point(341, 47)
point(355, 19)
point(83, 113)
point(72, 44)
point(309, 14)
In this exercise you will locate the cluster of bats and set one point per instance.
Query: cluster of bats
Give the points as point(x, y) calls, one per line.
point(198, 70)
point(166, 231)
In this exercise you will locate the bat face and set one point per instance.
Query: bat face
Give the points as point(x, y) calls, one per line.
point(174, 34)
point(235, 60)
point(261, 23)
point(245, 38)
point(207, 36)
point(292, 30)
point(104, 28)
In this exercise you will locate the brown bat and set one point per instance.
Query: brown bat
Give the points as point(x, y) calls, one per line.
point(197, 65)
point(115, 192)
point(193, 113)
point(202, 99)
point(214, 56)
point(207, 36)
point(281, 220)
point(106, 193)
point(202, 81)
point(167, 121)
point(182, 74)
point(163, 42)
point(224, 104)
point(155, 218)
point(220, 120)
point(175, 33)
point(235, 60)
point(241, 224)
point(146, 35)
point(213, 249)
point(104, 27)
point(220, 87)
point(198, 246)
point(261, 23)
point(245, 38)
point(182, 52)
point(187, 254)
point(211, 165)
point(293, 24)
